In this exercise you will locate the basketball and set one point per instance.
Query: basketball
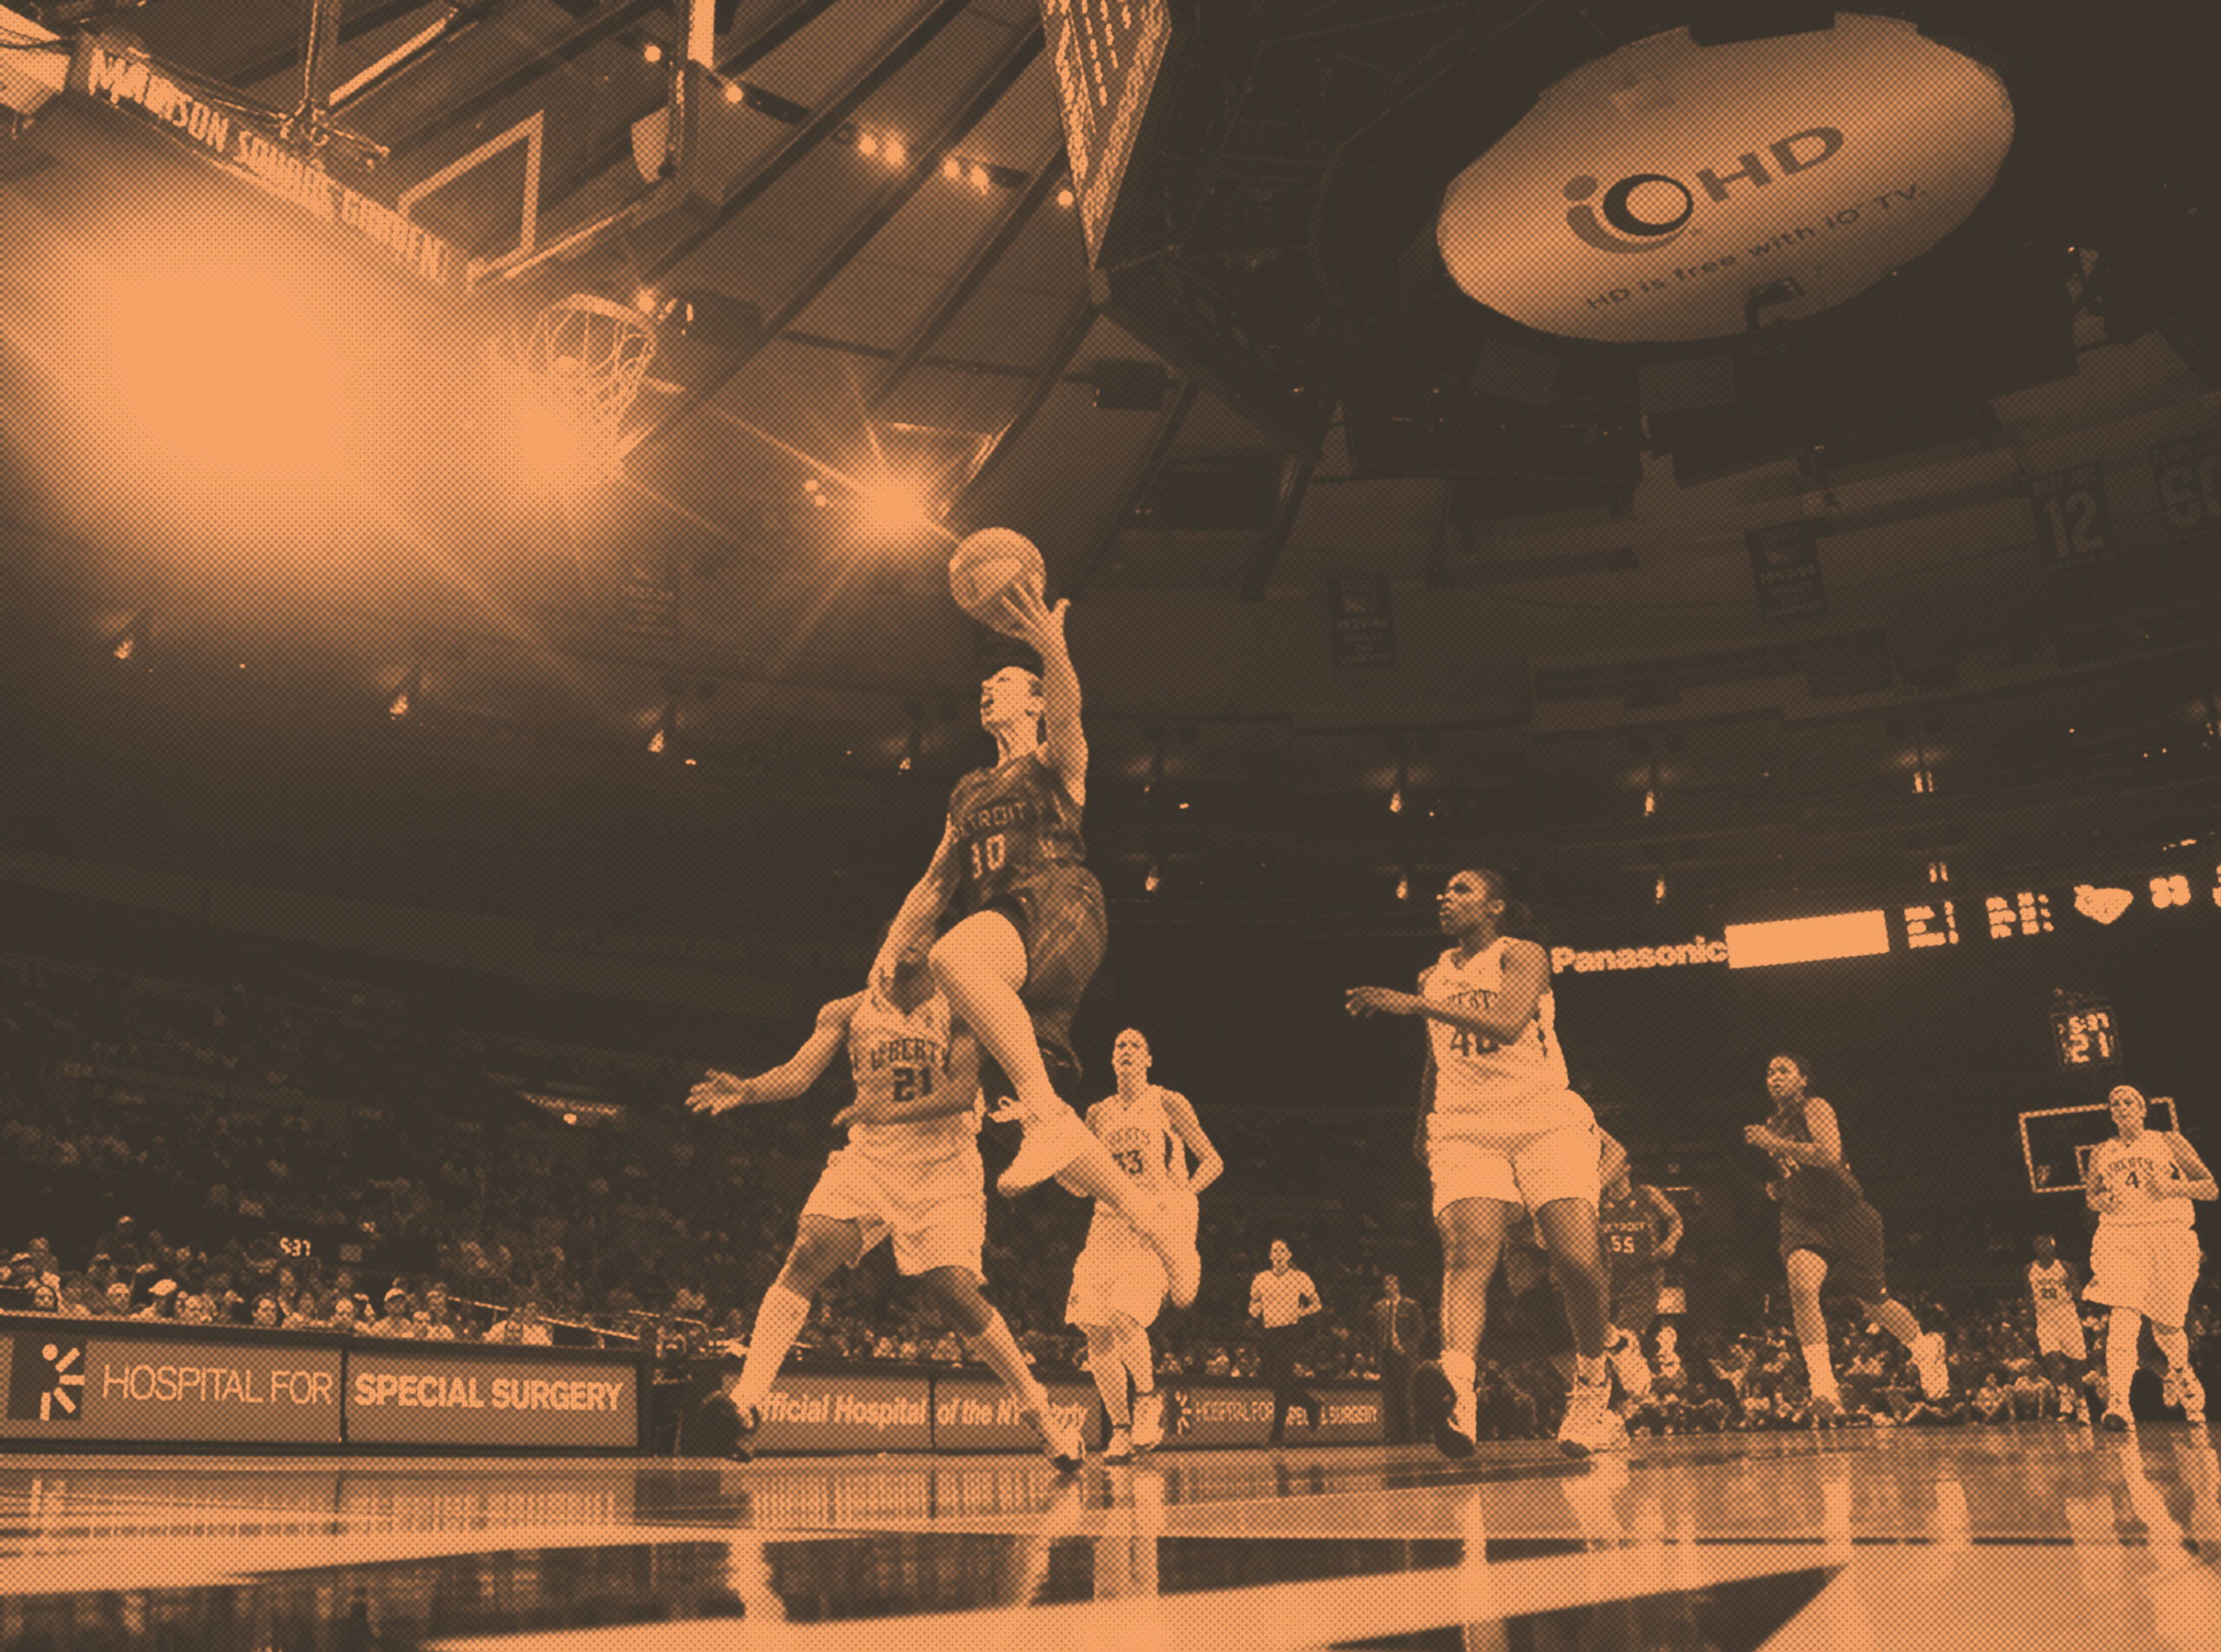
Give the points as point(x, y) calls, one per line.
point(988, 563)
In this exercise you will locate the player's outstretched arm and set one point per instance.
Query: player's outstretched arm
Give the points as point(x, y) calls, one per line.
point(1526, 973)
point(2197, 1182)
point(720, 1092)
point(921, 909)
point(1209, 1165)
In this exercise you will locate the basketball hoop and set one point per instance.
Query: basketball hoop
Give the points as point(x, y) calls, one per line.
point(582, 364)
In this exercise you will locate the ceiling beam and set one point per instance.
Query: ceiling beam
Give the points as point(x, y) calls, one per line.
point(829, 118)
point(1295, 482)
point(968, 280)
point(925, 167)
point(1169, 421)
point(1046, 377)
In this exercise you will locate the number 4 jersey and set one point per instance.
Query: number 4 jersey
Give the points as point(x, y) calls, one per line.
point(2130, 1172)
point(1473, 1073)
point(900, 1055)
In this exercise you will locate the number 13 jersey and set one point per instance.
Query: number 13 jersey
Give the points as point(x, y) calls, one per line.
point(1473, 1073)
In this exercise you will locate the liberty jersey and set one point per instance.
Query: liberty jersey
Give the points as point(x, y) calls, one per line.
point(1142, 1141)
point(1472, 1072)
point(1813, 1189)
point(1011, 822)
point(2131, 1173)
point(901, 1056)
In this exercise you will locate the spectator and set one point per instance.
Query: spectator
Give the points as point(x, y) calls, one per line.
point(1991, 1403)
point(524, 1328)
point(396, 1321)
point(1397, 1327)
point(436, 1319)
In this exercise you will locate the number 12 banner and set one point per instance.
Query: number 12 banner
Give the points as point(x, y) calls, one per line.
point(2073, 522)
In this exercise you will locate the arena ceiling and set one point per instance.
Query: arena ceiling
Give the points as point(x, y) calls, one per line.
point(1336, 535)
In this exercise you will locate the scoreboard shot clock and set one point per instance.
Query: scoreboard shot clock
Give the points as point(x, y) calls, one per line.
point(2083, 1033)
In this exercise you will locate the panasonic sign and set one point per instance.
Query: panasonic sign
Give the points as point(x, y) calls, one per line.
point(1673, 192)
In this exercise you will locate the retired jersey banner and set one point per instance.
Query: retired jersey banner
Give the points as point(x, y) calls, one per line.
point(437, 1394)
point(76, 1384)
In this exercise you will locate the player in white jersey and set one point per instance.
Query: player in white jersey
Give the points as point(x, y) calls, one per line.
point(1118, 1281)
point(1501, 1132)
point(911, 1172)
point(2144, 1258)
point(2059, 1343)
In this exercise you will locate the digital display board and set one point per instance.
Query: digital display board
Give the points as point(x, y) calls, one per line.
point(2085, 1036)
point(1108, 54)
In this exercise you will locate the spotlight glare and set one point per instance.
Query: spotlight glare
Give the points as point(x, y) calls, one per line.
point(732, 92)
point(653, 52)
point(1063, 198)
point(952, 169)
point(896, 152)
point(867, 144)
point(891, 505)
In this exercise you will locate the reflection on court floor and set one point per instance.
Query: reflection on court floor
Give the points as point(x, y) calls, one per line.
point(2021, 1538)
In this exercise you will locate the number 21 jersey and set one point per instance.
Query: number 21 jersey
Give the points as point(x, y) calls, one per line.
point(1474, 1073)
point(901, 1056)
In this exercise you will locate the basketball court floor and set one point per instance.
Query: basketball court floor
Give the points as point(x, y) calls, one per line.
point(2022, 1538)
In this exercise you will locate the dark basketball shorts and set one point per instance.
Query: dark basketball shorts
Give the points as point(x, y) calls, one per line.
point(1849, 1240)
point(1058, 915)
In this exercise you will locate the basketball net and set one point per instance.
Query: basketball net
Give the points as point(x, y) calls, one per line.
point(579, 369)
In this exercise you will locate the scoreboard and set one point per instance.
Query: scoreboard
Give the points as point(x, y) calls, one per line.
point(2020, 915)
point(1108, 54)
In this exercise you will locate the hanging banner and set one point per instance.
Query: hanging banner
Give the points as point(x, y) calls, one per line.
point(1785, 567)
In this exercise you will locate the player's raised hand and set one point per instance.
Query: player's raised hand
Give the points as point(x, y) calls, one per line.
point(1007, 1111)
point(1027, 615)
point(719, 1093)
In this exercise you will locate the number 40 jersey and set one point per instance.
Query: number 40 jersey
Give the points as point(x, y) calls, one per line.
point(1474, 1073)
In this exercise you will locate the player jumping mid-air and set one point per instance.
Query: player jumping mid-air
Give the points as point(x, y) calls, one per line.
point(1030, 930)
point(911, 1171)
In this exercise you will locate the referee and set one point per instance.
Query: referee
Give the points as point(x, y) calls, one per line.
point(1281, 1299)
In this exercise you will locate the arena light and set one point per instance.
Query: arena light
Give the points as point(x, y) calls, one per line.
point(1805, 941)
point(891, 505)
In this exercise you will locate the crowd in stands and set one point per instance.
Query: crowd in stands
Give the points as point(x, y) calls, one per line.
point(294, 1139)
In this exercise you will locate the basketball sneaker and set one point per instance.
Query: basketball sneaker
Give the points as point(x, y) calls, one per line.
point(2115, 1423)
point(1439, 1410)
point(2193, 1399)
point(1928, 1360)
point(745, 1427)
point(1827, 1410)
point(1060, 1442)
point(1121, 1448)
point(1050, 1144)
point(1590, 1423)
point(1627, 1364)
point(1148, 1421)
